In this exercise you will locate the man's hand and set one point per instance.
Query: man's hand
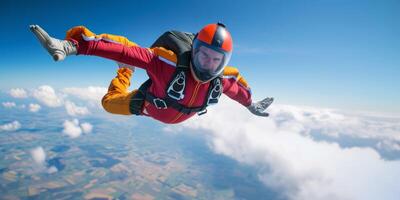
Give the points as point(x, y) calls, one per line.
point(259, 107)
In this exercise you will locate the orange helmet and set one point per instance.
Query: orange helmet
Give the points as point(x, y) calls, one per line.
point(211, 51)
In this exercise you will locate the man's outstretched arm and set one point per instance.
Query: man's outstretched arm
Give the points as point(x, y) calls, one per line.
point(236, 87)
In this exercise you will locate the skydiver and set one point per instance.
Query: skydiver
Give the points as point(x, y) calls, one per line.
point(173, 92)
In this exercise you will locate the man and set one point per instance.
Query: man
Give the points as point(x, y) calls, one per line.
point(172, 94)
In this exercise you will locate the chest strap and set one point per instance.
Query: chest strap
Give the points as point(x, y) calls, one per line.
point(160, 103)
point(142, 95)
point(137, 100)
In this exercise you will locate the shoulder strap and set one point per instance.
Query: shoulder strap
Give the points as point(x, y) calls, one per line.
point(180, 43)
point(213, 94)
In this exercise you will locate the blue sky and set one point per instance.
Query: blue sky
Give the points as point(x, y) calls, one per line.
point(336, 54)
point(339, 54)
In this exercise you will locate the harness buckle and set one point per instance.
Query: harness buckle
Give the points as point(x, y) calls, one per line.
point(215, 93)
point(159, 103)
point(202, 112)
point(177, 86)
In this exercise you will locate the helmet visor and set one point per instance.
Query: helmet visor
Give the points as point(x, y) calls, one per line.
point(208, 61)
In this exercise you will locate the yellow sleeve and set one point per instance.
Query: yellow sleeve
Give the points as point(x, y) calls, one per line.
point(234, 72)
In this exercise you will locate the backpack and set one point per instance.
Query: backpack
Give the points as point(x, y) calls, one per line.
point(178, 42)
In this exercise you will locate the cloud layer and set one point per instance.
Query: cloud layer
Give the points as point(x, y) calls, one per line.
point(289, 159)
point(48, 96)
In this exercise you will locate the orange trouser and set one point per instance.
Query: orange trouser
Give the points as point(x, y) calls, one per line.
point(118, 98)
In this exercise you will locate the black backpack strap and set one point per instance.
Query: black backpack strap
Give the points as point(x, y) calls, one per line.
point(214, 91)
point(177, 83)
point(137, 100)
point(161, 103)
point(213, 94)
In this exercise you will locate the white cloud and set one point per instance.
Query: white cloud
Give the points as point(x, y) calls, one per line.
point(9, 104)
point(18, 93)
point(91, 93)
point(86, 127)
point(34, 107)
point(389, 145)
point(46, 95)
point(73, 129)
point(288, 159)
point(52, 170)
point(13, 126)
point(75, 110)
point(38, 155)
point(39, 158)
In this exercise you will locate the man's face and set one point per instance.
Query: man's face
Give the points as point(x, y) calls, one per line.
point(209, 59)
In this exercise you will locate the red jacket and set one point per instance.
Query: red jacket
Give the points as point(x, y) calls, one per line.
point(160, 66)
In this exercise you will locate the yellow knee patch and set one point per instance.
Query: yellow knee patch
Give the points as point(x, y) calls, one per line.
point(79, 32)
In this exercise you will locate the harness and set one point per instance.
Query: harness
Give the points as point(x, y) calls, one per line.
point(180, 43)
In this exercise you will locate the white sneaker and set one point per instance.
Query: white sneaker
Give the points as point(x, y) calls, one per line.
point(58, 49)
